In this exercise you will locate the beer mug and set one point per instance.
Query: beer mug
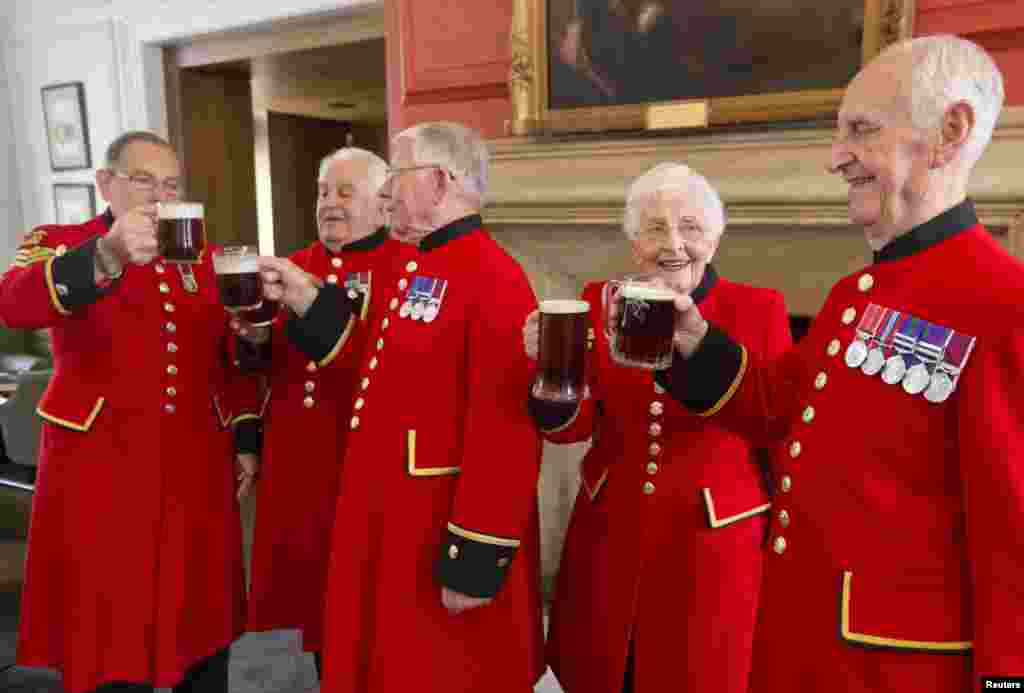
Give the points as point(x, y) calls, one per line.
point(562, 351)
point(639, 319)
point(180, 231)
point(238, 277)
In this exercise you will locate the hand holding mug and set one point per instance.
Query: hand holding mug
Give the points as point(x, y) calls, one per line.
point(289, 284)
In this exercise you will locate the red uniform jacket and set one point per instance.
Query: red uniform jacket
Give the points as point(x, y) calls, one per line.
point(304, 442)
point(897, 536)
point(664, 547)
point(134, 563)
point(439, 482)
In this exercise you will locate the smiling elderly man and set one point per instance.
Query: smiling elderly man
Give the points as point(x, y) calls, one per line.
point(896, 543)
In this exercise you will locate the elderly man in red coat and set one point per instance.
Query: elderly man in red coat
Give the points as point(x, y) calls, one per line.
point(134, 574)
point(308, 397)
point(433, 583)
point(897, 534)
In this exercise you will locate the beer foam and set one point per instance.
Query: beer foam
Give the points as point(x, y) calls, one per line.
point(227, 264)
point(564, 307)
point(647, 293)
point(180, 210)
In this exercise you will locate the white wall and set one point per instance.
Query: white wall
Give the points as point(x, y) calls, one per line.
point(113, 47)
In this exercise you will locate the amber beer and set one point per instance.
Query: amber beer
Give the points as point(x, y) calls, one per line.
point(643, 325)
point(181, 231)
point(562, 351)
point(238, 277)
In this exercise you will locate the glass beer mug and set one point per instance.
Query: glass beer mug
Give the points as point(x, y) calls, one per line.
point(639, 319)
point(181, 231)
point(562, 351)
point(238, 277)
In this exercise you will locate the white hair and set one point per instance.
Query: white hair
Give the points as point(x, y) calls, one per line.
point(679, 177)
point(376, 167)
point(455, 147)
point(947, 70)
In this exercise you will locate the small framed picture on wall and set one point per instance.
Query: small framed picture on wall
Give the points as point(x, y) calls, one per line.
point(74, 203)
point(67, 131)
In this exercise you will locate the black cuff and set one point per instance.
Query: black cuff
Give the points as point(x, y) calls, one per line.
point(474, 568)
point(248, 435)
point(551, 416)
point(700, 382)
point(253, 358)
point(74, 277)
point(317, 334)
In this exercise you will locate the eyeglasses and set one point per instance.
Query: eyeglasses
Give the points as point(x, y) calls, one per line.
point(394, 171)
point(145, 182)
point(662, 234)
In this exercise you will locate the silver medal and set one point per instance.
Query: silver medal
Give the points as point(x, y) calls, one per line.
point(430, 312)
point(874, 362)
point(916, 379)
point(417, 311)
point(856, 353)
point(940, 388)
point(895, 369)
point(188, 279)
point(405, 310)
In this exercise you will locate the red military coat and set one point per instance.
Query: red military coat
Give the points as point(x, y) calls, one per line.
point(664, 546)
point(439, 484)
point(134, 565)
point(897, 541)
point(304, 441)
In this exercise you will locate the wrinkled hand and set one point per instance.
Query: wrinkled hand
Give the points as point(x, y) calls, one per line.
point(531, 335)
point(132, 238)
point(287, 283)
point(456, 602)
point(249, 332)
point(247, 469)
point(691, 327)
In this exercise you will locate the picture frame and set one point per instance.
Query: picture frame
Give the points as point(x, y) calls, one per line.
point(74, 203)
point(67, 128)
point(557, 83)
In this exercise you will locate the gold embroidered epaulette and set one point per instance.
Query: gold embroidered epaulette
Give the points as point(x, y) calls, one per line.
point(32, 239)
point(30, 256)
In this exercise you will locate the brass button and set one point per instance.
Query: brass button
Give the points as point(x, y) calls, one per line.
point(373, 363)
point(786, 483)
point(171, 392)
point(402, 283)
point(335, 262)
point(654, 449)
point(654, 430)
point(355, 422)
point(365, 383)
point(172, 347)
point(169, 408)
point(849, 315)
point(311, 366)
point(308, 402)
point(380, 344)
point(159, 269)
point(171, 327)
point(384, 323)
point(412, 266)
point(172, 370)
point(310, 386)
point(393, 304)
point(360, 403)
point(164, 289)
point(652, 468)
point(820, 380)
point(833, 347)
point(865, 282)
point(658, 389)
point(656, 408)
point(648, 488)
point(503, 562)
point(453, 552)
point(795, 449)
point(332, 279)
point(784, 518)
point(808, 415)
point(169, 307)
point(780, 545)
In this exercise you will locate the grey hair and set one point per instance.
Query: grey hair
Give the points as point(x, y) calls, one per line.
point(455, 147)
point(673, 176)
point(946, 70)
point(116, 148)
point(376, 167)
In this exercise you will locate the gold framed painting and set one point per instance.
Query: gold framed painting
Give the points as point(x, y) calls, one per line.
point(598, 65)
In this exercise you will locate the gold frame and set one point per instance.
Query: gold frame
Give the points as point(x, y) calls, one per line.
point(885, 22)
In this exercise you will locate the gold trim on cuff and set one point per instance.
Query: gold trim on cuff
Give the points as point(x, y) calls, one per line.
point(245, 417)
point(567, 424)
point(424, 471)
point(482, 538)
point(732, 388)
point(717, 522)
point(339, 344)
point(895, 643)
point(598, 486)
point(54, 297)
point(82, 427)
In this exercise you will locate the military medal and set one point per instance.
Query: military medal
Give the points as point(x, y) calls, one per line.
point(188, 278)
point(947, 372)
point(876, 357)
point(903, 343)
point(420, 306)
point(357, 285)
point(410, 297)
point(857, 352)
point(927, 353)
point(434, 302)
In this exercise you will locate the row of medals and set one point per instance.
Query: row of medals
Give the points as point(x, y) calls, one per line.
point(420, 304)
point(937, 386)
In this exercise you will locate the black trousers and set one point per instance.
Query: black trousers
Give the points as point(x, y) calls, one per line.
point(208, 675)
point(627, 684)
point(318, 660)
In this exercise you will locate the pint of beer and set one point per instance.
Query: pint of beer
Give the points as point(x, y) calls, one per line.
point(562, 352)
point(180, 231)
point(238, 277)
point(639, 322)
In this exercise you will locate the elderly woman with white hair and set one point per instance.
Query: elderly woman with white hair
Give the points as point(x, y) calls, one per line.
point(661, 568)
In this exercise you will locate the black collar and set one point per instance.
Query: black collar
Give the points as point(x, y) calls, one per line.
point(366, 243)
point(707, 282)
point(935, 230)
point(459, 227)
